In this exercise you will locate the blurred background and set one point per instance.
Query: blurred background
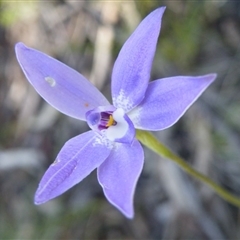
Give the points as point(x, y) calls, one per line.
point(197, 37)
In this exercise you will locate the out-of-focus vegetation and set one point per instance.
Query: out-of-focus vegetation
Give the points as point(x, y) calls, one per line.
point(197, 37)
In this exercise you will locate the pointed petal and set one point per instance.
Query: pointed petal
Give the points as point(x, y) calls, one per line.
point(61, 86)
point(77, 159)
point(131, 72)
point(167, 99)
point(119, 174)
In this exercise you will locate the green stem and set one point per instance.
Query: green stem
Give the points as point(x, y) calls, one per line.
point(152, 143)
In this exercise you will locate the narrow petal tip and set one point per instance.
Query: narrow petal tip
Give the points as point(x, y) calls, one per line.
point(161, 9)
point(37, 200)
point(211, 77)
point(40, 197)
point(19, 46)
point(207, 80)
point(157, 13)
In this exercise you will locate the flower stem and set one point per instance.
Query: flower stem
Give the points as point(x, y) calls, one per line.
point(147, 139)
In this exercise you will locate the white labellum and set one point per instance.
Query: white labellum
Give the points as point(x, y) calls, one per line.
point(120, 129)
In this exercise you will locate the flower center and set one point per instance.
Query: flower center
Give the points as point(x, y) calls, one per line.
point(106, 120)
point(111, 121)
point(100, 118)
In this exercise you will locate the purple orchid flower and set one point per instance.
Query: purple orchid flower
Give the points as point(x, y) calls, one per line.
point(110, 146)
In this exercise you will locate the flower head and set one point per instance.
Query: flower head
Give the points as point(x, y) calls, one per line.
point(110, 146)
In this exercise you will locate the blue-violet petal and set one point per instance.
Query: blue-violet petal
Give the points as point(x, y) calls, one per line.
point(77, 159)
point(131, 71)
point(61, 86)
point(167, 99)
point(118, 175)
